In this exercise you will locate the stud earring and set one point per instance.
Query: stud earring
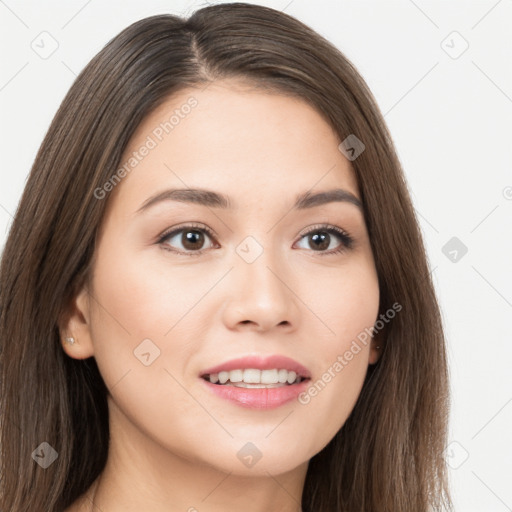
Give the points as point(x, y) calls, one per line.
point(70, 340)
point(377, 347)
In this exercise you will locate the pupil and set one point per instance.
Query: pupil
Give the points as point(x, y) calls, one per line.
point(190, 239)
point(321, 241)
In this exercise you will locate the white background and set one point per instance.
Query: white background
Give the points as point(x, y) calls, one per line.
point(451, 122)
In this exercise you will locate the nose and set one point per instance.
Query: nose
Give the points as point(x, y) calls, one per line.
point(261, 296)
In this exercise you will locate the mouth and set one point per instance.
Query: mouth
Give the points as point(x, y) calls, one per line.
point(257, 372)
point(256, 381)
point(255, 378)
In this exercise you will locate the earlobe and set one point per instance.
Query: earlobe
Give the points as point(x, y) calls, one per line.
point(75, 329)
point(376, 348)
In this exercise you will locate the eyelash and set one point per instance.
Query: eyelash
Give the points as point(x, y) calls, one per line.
point(346, 239)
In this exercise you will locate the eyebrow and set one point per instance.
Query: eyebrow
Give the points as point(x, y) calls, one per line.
point(216, 200)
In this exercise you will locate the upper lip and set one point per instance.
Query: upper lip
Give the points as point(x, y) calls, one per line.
point(262, 363)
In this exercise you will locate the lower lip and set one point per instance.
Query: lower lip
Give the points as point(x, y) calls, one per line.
point(258, 398)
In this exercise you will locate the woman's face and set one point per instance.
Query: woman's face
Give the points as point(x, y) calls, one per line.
point(183, 285)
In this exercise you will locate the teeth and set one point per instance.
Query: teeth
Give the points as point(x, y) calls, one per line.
point(291, 377)
point(255, 386)
point(236, 375)
point(269, 376)
point(223, 377)
point(253, 376)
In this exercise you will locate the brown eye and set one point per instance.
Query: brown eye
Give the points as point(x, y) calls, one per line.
point(187, 240)
point(326, 240)
point(319, 241)
point(192, 240)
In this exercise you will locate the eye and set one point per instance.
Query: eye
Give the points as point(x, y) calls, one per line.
point(322, 239)
point(189, 239)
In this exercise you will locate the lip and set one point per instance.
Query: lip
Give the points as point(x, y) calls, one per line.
point(258, 398)
point(261, 363)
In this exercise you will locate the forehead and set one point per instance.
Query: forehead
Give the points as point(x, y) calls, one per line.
point(232, 137)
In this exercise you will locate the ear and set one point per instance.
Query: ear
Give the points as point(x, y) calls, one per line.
point(75, 323)
point(378, 340)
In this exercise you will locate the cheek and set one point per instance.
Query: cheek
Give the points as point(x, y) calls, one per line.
point(139, 330)
point(345, 301)
point(146, 296)
point(147, 305)
point(348, 309)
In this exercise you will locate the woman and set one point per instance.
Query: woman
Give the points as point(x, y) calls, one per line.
point(215, 294)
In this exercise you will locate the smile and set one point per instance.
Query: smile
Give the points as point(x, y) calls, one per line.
point(255, 378)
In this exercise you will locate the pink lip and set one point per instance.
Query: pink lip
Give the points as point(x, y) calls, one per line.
point(261, 363)
point(258, 398)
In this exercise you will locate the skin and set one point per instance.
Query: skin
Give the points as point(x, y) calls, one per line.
point(174, 444)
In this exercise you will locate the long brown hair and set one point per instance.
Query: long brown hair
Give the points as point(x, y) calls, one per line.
point(388, 456)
